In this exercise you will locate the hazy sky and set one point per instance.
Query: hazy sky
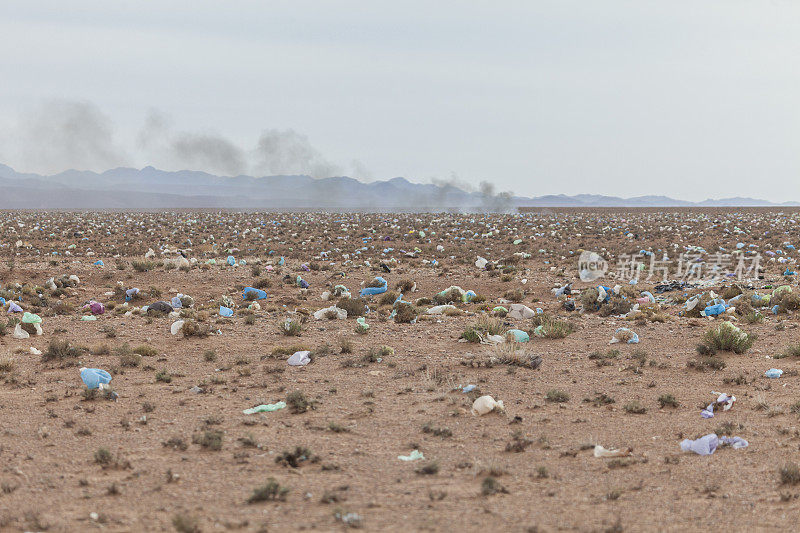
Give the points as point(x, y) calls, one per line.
point(691, 99)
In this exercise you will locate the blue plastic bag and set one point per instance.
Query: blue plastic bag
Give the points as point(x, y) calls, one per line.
point(714, 310)
point(259, 295)
point(225, 311)
point(773, 373)
point(519, 335)
point(372, 291)
point(94, 377)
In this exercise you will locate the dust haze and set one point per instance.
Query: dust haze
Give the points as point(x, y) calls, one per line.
point(62, 134)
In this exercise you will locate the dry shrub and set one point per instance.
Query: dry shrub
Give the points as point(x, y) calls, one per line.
point(589, 300)
point(514, 295)
point(60, 350)
point(355, 307)
point(615, 306)
point(387, 298)
point(406, 313)
point(195, 329)
point(726, 337)
point(405, 285)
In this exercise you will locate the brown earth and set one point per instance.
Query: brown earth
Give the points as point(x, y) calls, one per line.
point(365, 414)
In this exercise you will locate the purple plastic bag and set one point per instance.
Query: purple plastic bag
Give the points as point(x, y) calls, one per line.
point(707, 444)
point(734, 442)
point(723, 399)
point(95, 307)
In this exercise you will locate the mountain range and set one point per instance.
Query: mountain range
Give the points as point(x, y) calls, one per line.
point(151, 188)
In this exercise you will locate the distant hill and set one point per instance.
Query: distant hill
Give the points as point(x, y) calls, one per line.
point(153, 188)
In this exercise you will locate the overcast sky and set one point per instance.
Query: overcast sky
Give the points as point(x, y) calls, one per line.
point(692, 99)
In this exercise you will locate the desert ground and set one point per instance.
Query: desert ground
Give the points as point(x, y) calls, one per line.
point(168, 447)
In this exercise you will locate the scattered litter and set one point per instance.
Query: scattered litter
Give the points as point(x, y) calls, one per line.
point(415, 455)
point(485, 405)
point(774, 373)
point(159, 307)
point(624, 335)
point(96, 308)
point(518, 335)
point(330, 312)
point(301, 358)
point(440, 309)
point(723, 399)
point(265, 408)
point(520, 312)
point(95, 378)
point(380, 286)
point(251, 293)
point(130, 293)
point(20, 333)
point(599, 451)
point(707, 444)
point(491, 339)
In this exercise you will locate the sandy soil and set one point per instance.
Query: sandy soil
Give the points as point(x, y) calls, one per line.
point(57, 476)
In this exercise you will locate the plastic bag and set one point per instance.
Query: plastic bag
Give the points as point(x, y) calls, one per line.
point(773, 373)
point(95, 378)
point(518, 335)
point(485, 405)
point(372, 291)
point(251, 293)
point(599, 451)
point(707, 444)
point(299, 358)
point(520, 312)
point(265, 408)
point(413, 456)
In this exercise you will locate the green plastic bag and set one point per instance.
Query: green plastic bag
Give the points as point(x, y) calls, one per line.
point(30, 318)
point(265, 408)
point(413, 456)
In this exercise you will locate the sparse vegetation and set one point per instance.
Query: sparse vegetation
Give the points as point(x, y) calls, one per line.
point(270, 491)
point(635, 408)
point(724, 336)
point(667, 400)
point(210, 439)
point(297, 402)
point(790, 474)
point(59, 350)
point(291, 327)
point(556, 396)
